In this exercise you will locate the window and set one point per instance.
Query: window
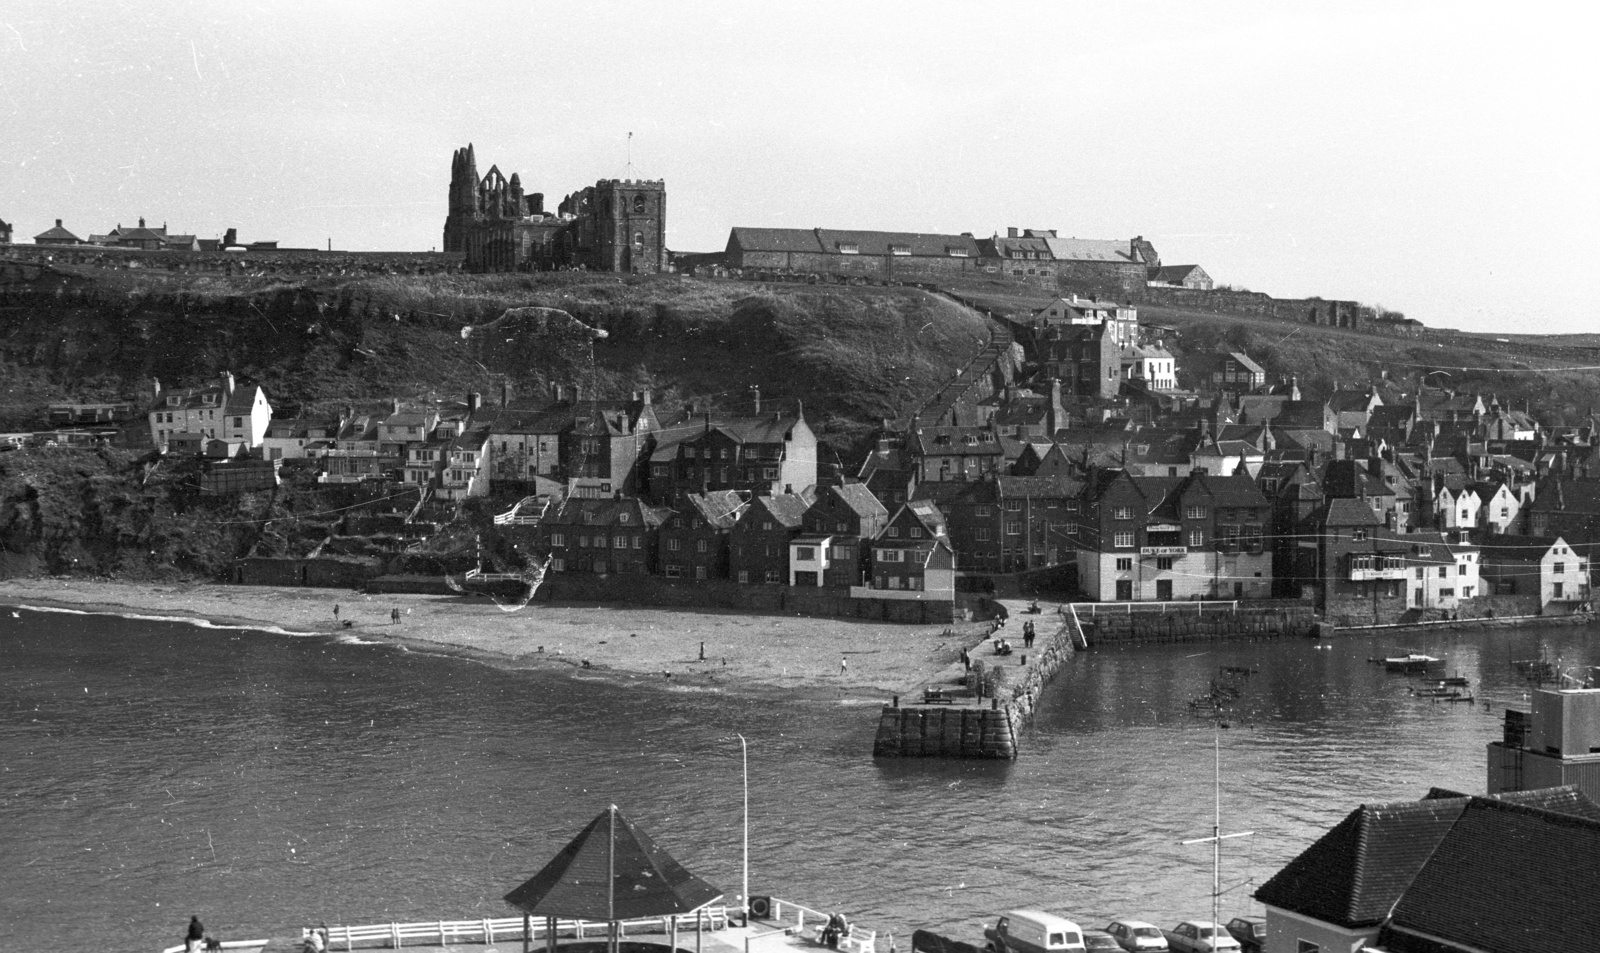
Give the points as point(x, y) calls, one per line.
point(1197, 537)
point(841, 552)
point(1306, 946)
point(1461, 569)
point(1443, 572)
point(894, 531)
point(1014, 528)
point(916, 532)
point(900, 250)
point(889, 556)
point(772, 577)
point(622, 517)
point(638, 542)
point(1359, 534)
point(583, 542)
point(805, 553)
point(557, 539)
point(1122, 513)
point(849, 248)
point(1559, 568)
point(638, 238)
point(983, 534)
point(699, 545)
point(1164, 562)
point(238, 421)
point(1013, 506)
point(1419, 572)
point(1446, 593)
point(1124, 564)
point(976, 511)
point(638, 204)
point(1123, 539)
point(674, 544)
point(744, 577)
point(672, 571)
point(559, 565)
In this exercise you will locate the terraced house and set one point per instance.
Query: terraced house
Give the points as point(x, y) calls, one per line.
point(603, 537)
point(221, 411)
point(1161, 538)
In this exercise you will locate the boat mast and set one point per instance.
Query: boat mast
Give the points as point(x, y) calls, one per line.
point(1217, 837)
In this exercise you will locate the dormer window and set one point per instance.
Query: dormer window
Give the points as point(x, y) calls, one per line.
point(622, 517)
point(956, 251)
point(208, 399)
point(849, 248)
point(174, 401)
point(902, 250)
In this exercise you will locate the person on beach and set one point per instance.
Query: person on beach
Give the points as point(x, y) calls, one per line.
point(394, 616)
point(966, 660)
point(336, 612)
point(844, 665)
point(195, 935)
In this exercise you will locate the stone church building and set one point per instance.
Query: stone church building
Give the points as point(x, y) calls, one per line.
point(615, 225)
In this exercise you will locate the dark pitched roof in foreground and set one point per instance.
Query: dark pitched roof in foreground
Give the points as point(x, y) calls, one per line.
point(612, 871)
point(1354, 874)
point(1507, 876)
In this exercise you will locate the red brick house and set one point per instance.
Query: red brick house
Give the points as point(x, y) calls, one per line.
point(695, 538)
point(913, 554)
point(603, 537)
point(759, 540)
point(840, 524)
point(760, 455)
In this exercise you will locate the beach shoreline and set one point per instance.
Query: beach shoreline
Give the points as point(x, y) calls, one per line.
point(722, 649)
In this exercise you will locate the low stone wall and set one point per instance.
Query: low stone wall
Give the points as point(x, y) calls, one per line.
point(1260, 621)
point(326, 573)
point(725, 594)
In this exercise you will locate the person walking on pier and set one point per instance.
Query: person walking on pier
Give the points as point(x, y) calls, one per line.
point(195, 936)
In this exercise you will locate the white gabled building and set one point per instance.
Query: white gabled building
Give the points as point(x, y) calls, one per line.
point(222, 411)
point(1444, 571)
point(1456, 509)
point(1497, 507)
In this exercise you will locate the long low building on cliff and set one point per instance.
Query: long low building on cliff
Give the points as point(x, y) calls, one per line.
point(1114, 267)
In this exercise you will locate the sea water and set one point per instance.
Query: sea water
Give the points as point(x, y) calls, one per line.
point(152, 770)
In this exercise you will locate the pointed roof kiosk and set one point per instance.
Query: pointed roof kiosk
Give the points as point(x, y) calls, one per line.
point(612, 871)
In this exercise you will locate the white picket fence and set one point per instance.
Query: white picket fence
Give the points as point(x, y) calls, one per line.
point(489, 930)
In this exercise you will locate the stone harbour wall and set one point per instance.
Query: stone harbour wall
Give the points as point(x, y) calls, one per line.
point(988, 731)
point(1270, 621)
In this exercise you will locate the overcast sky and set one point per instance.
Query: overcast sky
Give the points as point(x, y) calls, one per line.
point(1436, 159)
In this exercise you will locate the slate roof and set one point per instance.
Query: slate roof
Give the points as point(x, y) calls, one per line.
point(1503, 547)
point(1353, 875)
point(1093, 249)
point(1038, 487)
point(611, 871)
point(1505, 877)
point(1175, 274)
point(789, 509)
point(56, 234)
point(719, 508)
point(828, 240)
point(1344, 511)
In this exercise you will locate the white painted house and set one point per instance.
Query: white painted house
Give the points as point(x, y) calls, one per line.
point(221, 411)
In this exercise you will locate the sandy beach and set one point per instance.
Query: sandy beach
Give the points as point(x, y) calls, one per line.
point(629, 642)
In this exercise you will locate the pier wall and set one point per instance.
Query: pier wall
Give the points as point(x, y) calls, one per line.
point(987, 731)
point(1265, 621)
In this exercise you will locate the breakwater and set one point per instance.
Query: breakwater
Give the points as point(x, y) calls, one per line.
point(1004, 689)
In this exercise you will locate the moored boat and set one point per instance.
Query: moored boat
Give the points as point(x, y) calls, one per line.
point(1411, 662)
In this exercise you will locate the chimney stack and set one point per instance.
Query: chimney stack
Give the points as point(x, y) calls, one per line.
point(156, 380)
point(394, 404)
point(227, 382)
point(1011, 233)
point(474, 401)
point(755, 389)
point(505, 393)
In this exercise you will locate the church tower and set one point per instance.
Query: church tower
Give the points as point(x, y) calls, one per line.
point(630, 226)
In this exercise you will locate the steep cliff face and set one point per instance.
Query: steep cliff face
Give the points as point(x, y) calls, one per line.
point(852, 355)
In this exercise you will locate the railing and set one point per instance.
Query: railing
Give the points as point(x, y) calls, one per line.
point(1129, 608)
point(514, 517)
point(862, 941)
point(489, 930)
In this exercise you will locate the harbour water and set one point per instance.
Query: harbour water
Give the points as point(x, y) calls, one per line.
point(153, 770)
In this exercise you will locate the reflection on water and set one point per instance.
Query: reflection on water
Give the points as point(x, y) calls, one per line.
point(154, 770)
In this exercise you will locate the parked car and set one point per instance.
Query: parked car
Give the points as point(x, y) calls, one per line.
point(1200, 936)
point(1099, 941)
point(1251, 932)
point(1137, 936)
point(1031, 931)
